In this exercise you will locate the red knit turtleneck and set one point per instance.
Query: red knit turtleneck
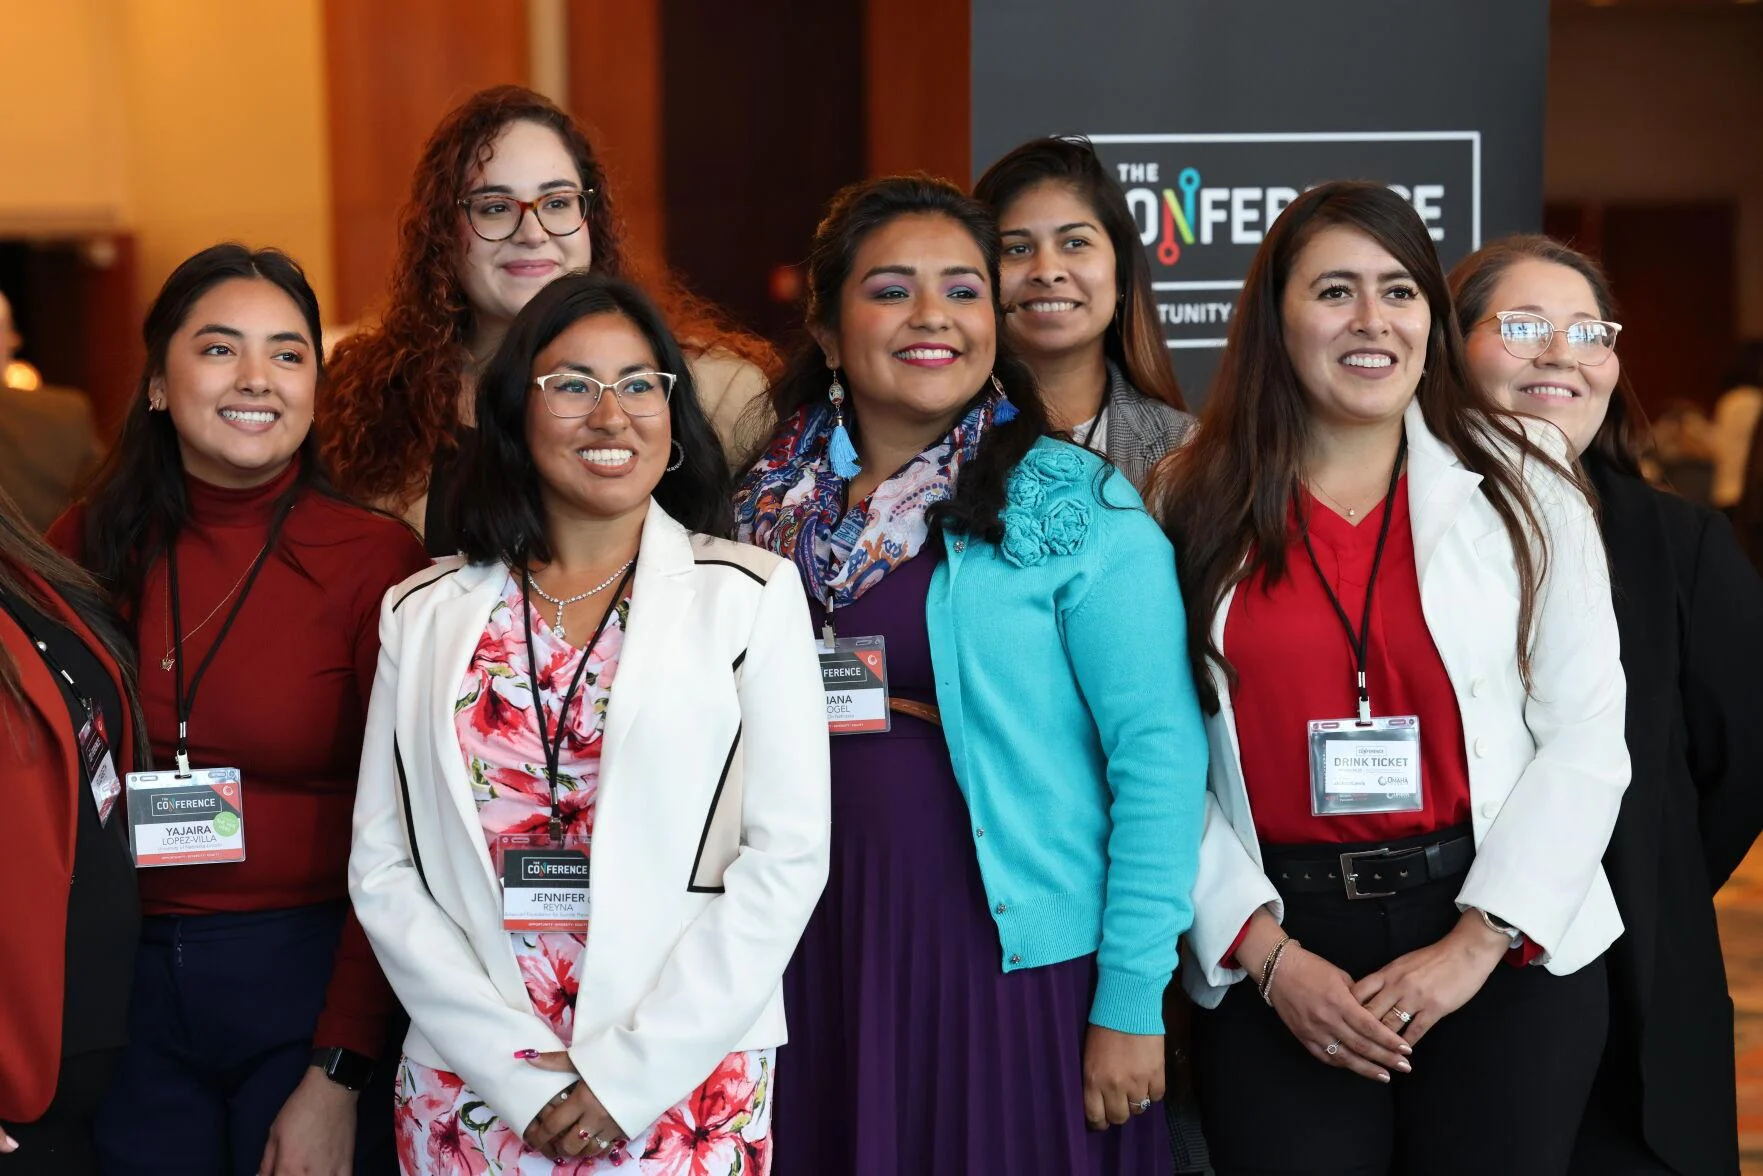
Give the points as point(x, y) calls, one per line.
point(284, 701)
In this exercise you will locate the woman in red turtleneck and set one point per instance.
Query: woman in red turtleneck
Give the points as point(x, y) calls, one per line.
point(254, 591)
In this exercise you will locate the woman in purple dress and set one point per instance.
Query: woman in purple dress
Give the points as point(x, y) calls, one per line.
point(1016, 821)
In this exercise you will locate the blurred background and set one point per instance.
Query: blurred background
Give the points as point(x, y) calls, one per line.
point(134, 132)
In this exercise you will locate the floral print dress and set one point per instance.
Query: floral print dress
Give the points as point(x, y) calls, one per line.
point(723, 1128)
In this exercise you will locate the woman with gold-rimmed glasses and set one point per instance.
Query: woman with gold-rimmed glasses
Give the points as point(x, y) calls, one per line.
point(1689, 613)
point(509, 196)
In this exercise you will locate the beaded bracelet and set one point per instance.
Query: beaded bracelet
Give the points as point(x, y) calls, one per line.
point(1271, 966)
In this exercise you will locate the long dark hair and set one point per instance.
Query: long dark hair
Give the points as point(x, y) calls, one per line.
point(24, 554)
point(1133, 339)
point(393, 400)
point(501, 515)
point(1619, 438)
point(855, 213)
point(136, 506)
point(1225, 497)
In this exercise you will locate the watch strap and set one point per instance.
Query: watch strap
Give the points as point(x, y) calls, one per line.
point(345, 1067)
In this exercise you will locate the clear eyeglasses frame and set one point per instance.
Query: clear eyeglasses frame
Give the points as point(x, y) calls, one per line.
point(1528, 335)
point(571, 396)
point(496, 217)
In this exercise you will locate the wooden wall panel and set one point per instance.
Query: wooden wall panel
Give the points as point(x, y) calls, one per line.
point(615, 91)
point(763, 114)
point(394, 68)
point(918, 74)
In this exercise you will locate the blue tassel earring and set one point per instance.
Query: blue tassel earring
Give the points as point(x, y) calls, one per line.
point(1005, 412)
point(839, 449)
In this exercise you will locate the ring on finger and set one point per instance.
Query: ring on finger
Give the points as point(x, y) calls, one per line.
point(1332, 1048)
point(1140, 1107)
point(1403, 1015)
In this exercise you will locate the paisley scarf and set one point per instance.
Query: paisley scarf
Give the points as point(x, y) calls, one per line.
point(792, 503)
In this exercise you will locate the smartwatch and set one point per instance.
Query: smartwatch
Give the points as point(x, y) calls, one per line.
point(345, 1067)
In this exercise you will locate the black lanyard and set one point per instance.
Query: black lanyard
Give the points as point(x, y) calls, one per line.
point(554, 748)
point(1361, 640)
point(87, 703)
point(186, 699)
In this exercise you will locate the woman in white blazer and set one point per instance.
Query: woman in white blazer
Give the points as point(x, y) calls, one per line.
point(1401, 606)
point(671, 783)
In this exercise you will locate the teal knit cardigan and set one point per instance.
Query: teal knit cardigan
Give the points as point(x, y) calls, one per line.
point(1070, 714)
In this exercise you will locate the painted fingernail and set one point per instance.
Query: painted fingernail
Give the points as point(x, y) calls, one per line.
point(1382, 1076)
point(1407, 1049)
point(1404, 1067)
point(526, 1055)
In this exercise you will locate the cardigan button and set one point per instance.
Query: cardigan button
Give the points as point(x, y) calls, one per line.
point(1016, 959)
point(979, 832)
point(1000, 908)
point(1490, 810)
point(1481, 747)
point(960, 545)
point(1476, 686)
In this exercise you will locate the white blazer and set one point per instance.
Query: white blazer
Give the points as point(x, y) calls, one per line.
point(710, 832)
point(1547, 769)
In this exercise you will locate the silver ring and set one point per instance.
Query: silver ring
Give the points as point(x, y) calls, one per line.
point(600, 1144)
point(1332, 1048)
point(1143, 1105)
point(1402, 1016)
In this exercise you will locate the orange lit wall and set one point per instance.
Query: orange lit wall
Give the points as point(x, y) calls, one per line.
point(184, 121)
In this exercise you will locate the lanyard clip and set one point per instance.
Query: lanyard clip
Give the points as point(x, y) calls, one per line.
point(183, 750)
point(1364, 702)
point(828, 634)
point(556, 830)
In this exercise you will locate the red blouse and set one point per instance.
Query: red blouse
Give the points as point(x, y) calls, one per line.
point(1295, 664)
point(285, 702)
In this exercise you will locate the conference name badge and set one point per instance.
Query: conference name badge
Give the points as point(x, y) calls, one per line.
point(189, 819)
point(1365, 766)
point(100, 767)
point(854, 674)
point(545, 882)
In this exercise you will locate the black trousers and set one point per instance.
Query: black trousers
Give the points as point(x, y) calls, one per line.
point(1498, 1086)
point(220, 1029)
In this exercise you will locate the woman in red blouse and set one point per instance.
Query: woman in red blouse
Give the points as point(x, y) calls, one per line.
point(1400, 604)
point(253, 592)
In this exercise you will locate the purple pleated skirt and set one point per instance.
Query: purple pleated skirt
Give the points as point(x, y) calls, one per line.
point(911, 1051)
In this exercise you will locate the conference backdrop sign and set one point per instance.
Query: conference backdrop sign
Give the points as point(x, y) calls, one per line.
point(1215, 114)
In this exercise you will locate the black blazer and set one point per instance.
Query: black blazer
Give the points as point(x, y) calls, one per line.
point(1689, 608)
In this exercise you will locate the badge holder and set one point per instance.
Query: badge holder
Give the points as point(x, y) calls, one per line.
point(186, 818)
point(854, 674)
point(100, 767)
point(1365, 766)
point(545, 882)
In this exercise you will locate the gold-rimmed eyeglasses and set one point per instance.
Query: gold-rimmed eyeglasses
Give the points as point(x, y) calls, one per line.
point(572, 395)
point(1527, 335)
point(496, 217)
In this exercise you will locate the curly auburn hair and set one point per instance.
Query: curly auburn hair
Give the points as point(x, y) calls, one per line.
point(393, 397)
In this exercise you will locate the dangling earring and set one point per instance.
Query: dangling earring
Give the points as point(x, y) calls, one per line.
point(1004, 412)
point(680, 460)
point(839, 449)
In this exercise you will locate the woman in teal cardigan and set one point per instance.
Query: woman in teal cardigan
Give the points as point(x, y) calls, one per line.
point(1016, 831)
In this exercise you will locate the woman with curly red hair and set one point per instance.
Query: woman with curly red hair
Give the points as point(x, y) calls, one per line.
point(469, 258)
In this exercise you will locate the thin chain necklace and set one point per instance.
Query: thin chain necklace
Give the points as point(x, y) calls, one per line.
point(557, 626)
point(1339, 505)
point(170, 659)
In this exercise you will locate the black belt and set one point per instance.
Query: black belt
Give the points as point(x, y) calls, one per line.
point(1371, 873)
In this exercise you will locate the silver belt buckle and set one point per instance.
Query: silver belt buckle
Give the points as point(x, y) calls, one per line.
point(1350, 877)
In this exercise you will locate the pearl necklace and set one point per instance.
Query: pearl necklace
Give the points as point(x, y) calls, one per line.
point(562, 604)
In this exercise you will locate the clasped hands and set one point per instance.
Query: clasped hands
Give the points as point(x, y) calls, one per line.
point(1370, 1026)
point(573, 1123)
